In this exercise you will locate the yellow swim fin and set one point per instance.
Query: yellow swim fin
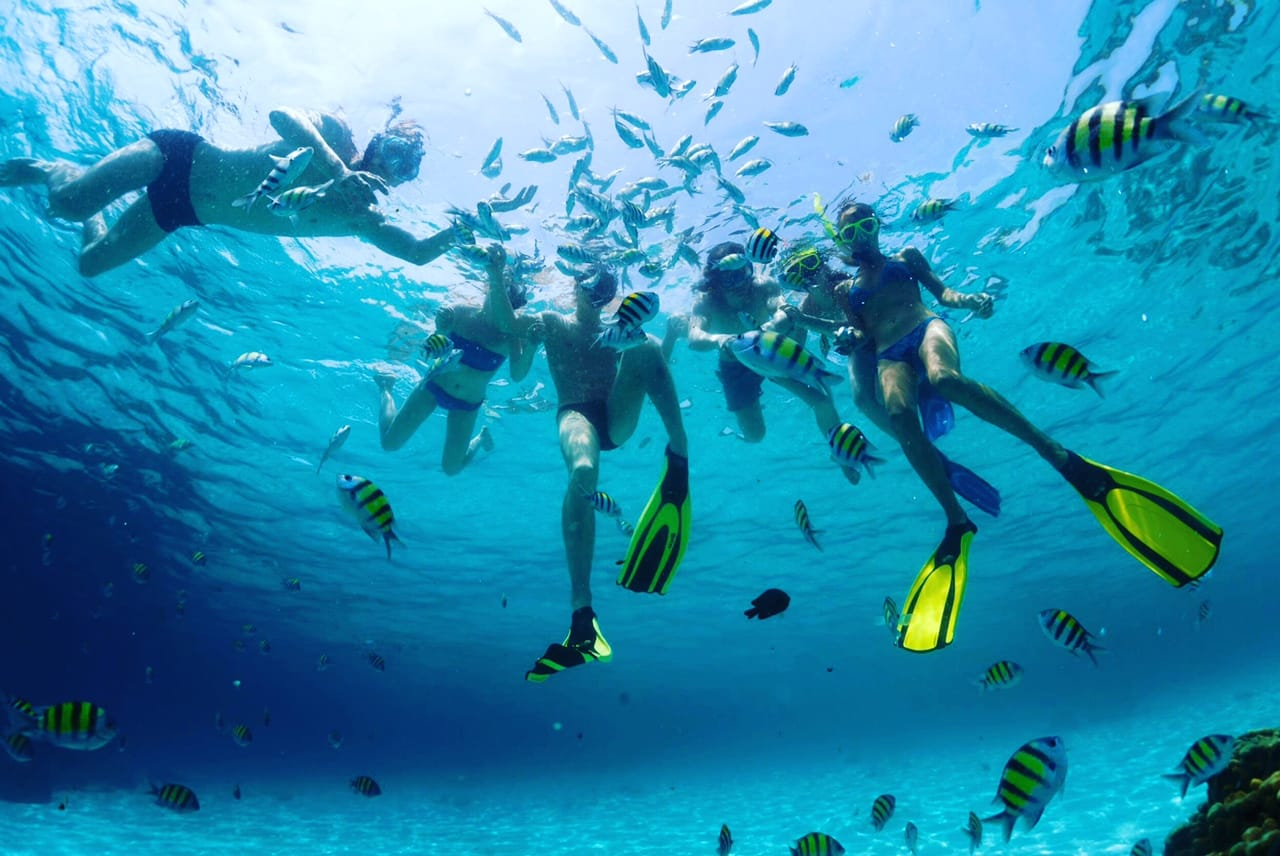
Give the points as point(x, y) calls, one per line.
point(589, 647)
point(658, 542)
point(929, 614)
point(1156, 527)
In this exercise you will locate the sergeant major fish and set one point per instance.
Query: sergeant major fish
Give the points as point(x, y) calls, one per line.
point(365, 786)
point(1064, 630)
point(806, 526)
point(285, 172)
point(1003, 673)
point(177, 316)
point(987, 130)
point(770, 603)
point(725, 842)
point(1063, 364)
point(882, 810)
point(78, 725)
point(1224, 108)
point(179, 798)
point(773, 355)
point(609, 507)
point(973, 831)
point(817, 844)
point(1119, 135)
point(904, 126)
point(335, 443)
point(1206, 758)
point(932, 209)
point(850, 447)
point(1032, 777)
point(295, 200)
point(365, 501)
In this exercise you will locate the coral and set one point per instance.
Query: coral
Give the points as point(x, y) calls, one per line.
point(1242, 816)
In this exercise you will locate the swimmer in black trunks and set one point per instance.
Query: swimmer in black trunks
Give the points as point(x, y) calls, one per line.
point(601, 393)
point(461, 389)
point(191, 182)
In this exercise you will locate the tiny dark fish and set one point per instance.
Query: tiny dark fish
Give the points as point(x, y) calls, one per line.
point(772, 602)
point(236, 793)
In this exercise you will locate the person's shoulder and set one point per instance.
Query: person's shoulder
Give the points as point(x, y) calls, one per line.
point(911, 256)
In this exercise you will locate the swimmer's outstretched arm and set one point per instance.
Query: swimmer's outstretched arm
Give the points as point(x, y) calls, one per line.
point(403, 244)
point(981, 303)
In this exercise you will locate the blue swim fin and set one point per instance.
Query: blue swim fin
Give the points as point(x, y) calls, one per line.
point(936, 413)
point(971, 486)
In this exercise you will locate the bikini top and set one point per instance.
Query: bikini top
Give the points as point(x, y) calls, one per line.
point(893, 271)
point(475, 355)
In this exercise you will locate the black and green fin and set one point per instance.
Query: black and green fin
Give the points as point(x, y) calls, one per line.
point(583, 645)
point(661, 534)
point(928, 618)
point(1156, 527)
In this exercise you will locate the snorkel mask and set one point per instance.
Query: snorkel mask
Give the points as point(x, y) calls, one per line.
point(400, 153)
point(799, 266)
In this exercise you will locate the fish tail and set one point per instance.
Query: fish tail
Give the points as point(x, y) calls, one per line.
point(1177, 124)
point(1181, 778)
point(871, 461)
point(246, 201)
point(1006, 823)
point(1095, 381)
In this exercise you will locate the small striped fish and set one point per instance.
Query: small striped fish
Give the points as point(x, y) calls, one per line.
point(904, 126)
point(377, 661)
point(1119, 135)
point(806, 527)
point(295, 200)
point(882, 810)
point(773, 355)
point(609, 507)
point(850, 447)
point(369, 506)
point(1202, 615)
point(365, 786)
point(725, 842)
point(1063, 364)
point(932, 209)
point(1004, 673)
point(284, 173)
point(19, 748)
point(1206, 758)
point(987, 130)
point(242, 735)
point(1224, 108)
point(179, 798)
point(1142, 848)
point(973, 831)
point(762, 246)
point(637, 308)
point(1031, 778)
point(817, 844)
point(72, 725)
point(911, 835)
point(1066, 632)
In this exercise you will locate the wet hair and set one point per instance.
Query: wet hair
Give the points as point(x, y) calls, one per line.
point(406, 137)
point(600, 283)
point(711, 275)
point(517, 291)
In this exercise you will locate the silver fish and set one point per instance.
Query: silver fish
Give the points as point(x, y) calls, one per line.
point(569, 17)
point(632, 119)
point(712, 109)
point(753, 167)
point(573, 105)
point(506, 26)
point(538, 155)
point(495, 154)
point(177, 316)
point(626, 134)
point(568, 145)
point(666, 14)
point(602, 47)
point(788, 77)
point(681, 145)
point(750, 7)
point(335, 443)
point(732, 190)
point(551, 109)
point(622, 338)
point(712, 44)
point(285, 172)
point(788, 129)
point(297, 199)
point(658, 77)
point(644, 31)
point(755, 45)
point(744, 145)
point(725, 83)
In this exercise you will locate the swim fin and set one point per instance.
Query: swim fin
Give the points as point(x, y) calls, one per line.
point(969, 485)
point(1155, 526)
point(928, 618)
point(584, 644)
point(658, 543)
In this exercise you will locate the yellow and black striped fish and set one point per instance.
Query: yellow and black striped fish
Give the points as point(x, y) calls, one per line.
point(882, 810)
point(773, 355)
point(179, 798)
point(1206, 609)
point(850, 447)
point(725, 842)
point(19, 747)
point(1063, 364)
point(609, 507)
point(973, 831)
point(932, 209)
point(198, 558)
point(1206, 758)
point(1031, 778)
point(1004, 673)
point(376, 660)
point(806, 527)
point(73, 725)
point(365, 501)
point(1067, 632)
point(905, 125)
point(141, 573)
point(436, 346)
point(817, 844)
point(637, 308)
point(1224, 108)
point(1119, 135)
point(291, 584)
point(365, 786)
point(323, 662)
point(762, 246)
point(1142, 848)
point(242, 735)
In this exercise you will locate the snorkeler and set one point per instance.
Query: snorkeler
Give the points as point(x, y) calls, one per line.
point(734, 300)
point(189, 181)
point(460, 388)
point(914, 347)
point(601, 392)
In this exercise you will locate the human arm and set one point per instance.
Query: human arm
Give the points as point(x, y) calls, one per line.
point(981, 303)
point(700, 339)
point(403, 244)
point(298, 130)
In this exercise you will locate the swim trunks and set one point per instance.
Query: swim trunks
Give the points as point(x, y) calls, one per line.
point(446, 401)
point(936, 412)
point(742, 386)
point(170, 193)
point(597, 413)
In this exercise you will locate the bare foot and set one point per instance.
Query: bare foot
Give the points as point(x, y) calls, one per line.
point(16, 172)
point(384, 381)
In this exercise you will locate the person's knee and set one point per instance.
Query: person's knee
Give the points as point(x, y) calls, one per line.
point(583, 476)
point(90, 263)
point(453, 464)
point(948, 382)
point(899, 408)
point(390, 443)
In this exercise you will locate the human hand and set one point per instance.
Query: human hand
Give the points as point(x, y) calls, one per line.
point(525, 196)
point(677, 327)
point(366, 184)
point(462, 234)
point(496, 258)
point(536, 333)
point(982, 304)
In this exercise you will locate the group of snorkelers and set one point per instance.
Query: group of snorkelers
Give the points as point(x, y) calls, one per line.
point(904, 364)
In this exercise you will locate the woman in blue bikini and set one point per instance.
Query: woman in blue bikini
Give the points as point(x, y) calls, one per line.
point(460, 390)
point(916, 353)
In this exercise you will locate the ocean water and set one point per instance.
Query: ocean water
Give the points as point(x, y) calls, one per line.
point(1165, 273)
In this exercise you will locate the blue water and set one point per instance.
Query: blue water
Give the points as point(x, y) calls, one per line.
point(1165, 273)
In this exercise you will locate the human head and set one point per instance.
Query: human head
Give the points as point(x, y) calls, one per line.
point(598, 285)
point(517, 292)
point(801, 266)
point(396, 153)
point(732, 280)
point(857, 230)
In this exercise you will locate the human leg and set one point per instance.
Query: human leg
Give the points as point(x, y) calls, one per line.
point(742, 390)
point(866, 388)
point(396, 427)
point(898, 382)
point(459, 446)
point(942, 365)
point(76, 194)
point(643, 371)
point(580, 448)
point(130, 236)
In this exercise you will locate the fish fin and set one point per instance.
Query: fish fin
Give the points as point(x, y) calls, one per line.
point(1095, 380)
point(1006, 823)
point(1154, 525)
point(1177, 124)
point(1181, 778)
point(870, 461)
point(246, 201)
point(934, 601)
